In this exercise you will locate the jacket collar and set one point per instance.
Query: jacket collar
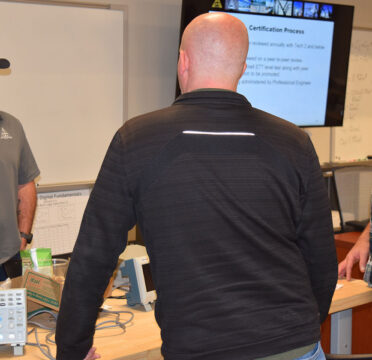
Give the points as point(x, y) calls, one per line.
point(212, 96)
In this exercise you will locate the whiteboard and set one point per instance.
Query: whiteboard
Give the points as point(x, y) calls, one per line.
point(354, 139)
point(65, 83)
point(57, 219)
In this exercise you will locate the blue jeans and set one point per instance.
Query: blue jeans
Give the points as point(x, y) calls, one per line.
point(315, 354)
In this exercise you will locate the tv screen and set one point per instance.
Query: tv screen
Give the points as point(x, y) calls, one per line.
point(298, 56)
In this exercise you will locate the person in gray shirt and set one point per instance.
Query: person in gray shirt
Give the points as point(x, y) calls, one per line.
point(18, 169)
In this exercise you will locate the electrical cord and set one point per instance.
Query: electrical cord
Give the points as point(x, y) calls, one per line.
point(117, 297)
point(116, 322)
point(39, 324)
point(46, 352)
point(124, 288)
point(45, 349)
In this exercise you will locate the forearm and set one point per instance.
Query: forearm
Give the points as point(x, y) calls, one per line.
point(26, 207)
point(102, 237)
point(316, 239)
point(364, 236)
point(322, 267)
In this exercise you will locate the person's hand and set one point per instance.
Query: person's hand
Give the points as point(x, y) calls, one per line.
point(359, 252)
point(92, 354)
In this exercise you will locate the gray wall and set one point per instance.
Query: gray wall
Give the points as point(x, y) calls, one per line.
point(152, 59)
point(153, 36)
point(152, 42)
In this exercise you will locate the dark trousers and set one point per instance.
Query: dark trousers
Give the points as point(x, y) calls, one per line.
point(11, 268)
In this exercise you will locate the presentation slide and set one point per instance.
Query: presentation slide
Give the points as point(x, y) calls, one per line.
point(288, 67)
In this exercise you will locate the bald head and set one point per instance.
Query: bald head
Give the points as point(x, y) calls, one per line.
point(213, 52)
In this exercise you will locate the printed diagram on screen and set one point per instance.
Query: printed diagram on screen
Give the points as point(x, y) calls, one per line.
point(57, 219)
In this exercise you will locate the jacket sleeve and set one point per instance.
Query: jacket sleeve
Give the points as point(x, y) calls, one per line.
point(102, 238)
point(315, 236)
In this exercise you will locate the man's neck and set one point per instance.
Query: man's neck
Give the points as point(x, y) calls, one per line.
point(210, 84)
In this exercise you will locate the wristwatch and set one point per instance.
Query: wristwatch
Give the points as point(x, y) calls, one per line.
point(28, 237)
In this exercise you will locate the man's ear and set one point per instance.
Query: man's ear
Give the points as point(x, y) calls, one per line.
point(184, 62)
point(183, 70)
point(244, 68)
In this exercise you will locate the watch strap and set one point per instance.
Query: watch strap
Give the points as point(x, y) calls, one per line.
point(28, 237)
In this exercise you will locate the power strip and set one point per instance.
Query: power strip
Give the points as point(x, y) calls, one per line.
point(13, 319)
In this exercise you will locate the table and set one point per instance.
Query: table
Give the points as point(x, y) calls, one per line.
point(141, 340)
point(352, 294)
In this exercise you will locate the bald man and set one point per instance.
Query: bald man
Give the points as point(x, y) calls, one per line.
point(232, 206)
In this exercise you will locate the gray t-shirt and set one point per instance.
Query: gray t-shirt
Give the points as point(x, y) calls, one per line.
point(17, 167)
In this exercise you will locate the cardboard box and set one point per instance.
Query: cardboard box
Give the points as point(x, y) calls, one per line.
point(42, 289)
point(16, 283)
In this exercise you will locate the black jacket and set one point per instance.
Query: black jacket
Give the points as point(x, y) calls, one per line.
point(234, 212)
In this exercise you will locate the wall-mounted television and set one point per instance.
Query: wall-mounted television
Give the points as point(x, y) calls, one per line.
point(298, 56)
